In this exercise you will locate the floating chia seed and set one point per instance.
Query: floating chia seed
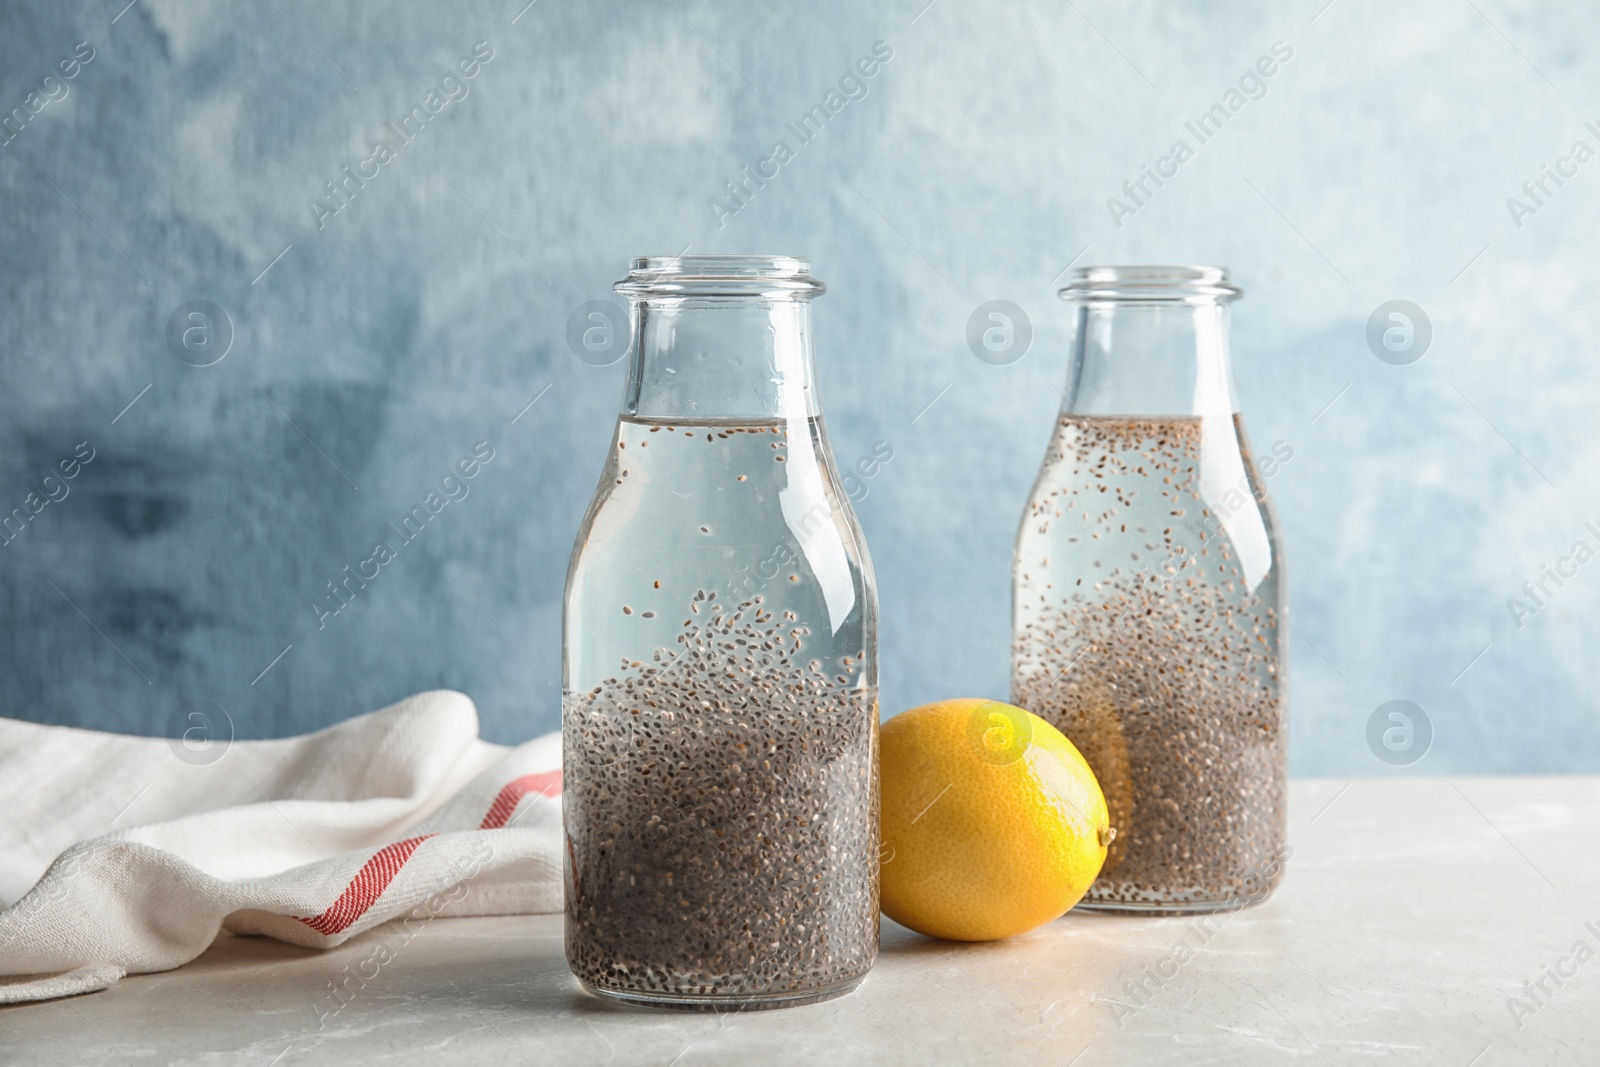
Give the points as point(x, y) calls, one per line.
point(1146, 631)
point(721, 812)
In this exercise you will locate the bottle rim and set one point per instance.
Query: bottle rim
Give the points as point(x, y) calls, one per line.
point(1150, 284)
point(780, 277)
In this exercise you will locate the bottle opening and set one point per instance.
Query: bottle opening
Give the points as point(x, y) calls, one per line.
point(775, 277)
point(1150, 285)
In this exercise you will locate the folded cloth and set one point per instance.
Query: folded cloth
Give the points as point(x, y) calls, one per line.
point(309, 840)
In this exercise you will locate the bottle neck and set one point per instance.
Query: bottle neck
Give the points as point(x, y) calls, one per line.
point(1158, 358)
point(724, 357)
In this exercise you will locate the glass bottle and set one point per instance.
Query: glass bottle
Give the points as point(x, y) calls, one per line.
point(1147, 592)
point(720, 664)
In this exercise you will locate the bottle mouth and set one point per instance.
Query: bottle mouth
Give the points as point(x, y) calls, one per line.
point(772, 277)
point(1150, 285)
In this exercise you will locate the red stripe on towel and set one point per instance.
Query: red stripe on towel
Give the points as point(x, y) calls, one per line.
point(366, 887)
point(545, 783)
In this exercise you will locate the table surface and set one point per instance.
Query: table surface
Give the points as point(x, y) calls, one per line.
point(1411, 914)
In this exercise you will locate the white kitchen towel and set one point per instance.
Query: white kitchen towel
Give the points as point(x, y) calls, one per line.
point(138, 850)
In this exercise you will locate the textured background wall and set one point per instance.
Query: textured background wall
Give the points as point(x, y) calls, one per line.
point(374, 347)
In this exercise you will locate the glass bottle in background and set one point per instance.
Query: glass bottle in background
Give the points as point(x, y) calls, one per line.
point(1148, 596)
point(720, 670)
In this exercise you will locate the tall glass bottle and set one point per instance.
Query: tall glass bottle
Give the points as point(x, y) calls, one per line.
point(720, 664)
point(1148, 596)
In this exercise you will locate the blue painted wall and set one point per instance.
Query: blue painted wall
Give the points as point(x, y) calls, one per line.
point(374, 347)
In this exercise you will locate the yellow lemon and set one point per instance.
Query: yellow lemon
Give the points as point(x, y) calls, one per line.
point(993, 823)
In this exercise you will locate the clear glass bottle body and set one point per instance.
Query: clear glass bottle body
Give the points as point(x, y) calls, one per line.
point(720, 710)
point(1148, 596)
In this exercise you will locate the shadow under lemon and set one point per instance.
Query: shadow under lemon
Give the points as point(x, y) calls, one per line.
point(992, 821)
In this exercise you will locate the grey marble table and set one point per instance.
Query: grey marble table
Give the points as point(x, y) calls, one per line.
point(1420, 920)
